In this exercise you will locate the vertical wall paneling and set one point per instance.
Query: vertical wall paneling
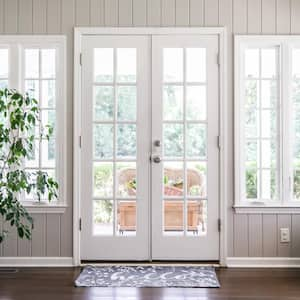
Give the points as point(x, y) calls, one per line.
point(11, 16)
point(295, 240)
point(97, 12)
point(139, 8)
point(154, 12)
point(269, 235)
point(268, 8)
point(283, 17)
point(1, 16)
point(10, 245)
point(197, 12)
point(82, 17)
point(182, 12)
point(25, 16)
point(295, 13)
point(24, 247)
point(211, 12)
point(283, 221)
point(53, 16)
point(111, 12)
point(241, 235)
point(52, 235)
point(255, 235)
point(38, 241)
point(168, 12)
point(39, 11)
point(240, 16)
point(125, 12)
point(254, 17)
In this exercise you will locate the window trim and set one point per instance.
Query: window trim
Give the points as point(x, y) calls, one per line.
point(285, 44)
point(16, 45)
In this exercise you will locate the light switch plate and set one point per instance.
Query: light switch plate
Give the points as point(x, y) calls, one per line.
point(285, 235)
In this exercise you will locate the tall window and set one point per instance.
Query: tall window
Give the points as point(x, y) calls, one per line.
point(36, 65)
point(267, 121)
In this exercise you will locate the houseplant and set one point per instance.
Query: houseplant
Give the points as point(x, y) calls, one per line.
point(19, 117)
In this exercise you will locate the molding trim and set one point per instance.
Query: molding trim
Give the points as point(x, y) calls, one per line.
point(36, 261)
point(264, 209)
point(263, 262)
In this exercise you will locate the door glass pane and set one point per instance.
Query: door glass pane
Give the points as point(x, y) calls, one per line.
point(195, 64)
point(173, 140)
point(103, 217)
point(103, 64)
point(31, 63)
point(173, 221)
point(126, 65)
point(126, 99)
point(196, 217)
point(196, 103)
point(3, 63)
point(196, 140)
point(126, 179)
point(173, 179)
point(103, 141)
point(196, 173)
point(103, 103)
point(103, 179)
point(126, 140)
point(173, 72)
point(173, 102)
point(126, 219)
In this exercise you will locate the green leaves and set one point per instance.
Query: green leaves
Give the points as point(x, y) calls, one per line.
point(19, 118)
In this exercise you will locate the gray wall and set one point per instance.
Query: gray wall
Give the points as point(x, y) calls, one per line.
point(248, 235)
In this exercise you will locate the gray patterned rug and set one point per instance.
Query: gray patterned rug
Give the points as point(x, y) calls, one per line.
point(147, 276)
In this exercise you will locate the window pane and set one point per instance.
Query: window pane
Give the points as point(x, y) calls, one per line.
point(33, 160)
point(268, 63)
point(251, 122)
point(251, 62)
point(126, 65)
point(32, 88)
point(49, 118)
point(196, 140)
point(173, 64)
point(4, 63)
point(268, 93)
point(48, 63)
point(196, 64)
point(103, 64)
point(103, 141)
point(103, 217)
point(268, 126)
point(173, 140)
point(173, 217)
point(196, 178)
point(48, 153)
point(251, 183)
point(126, 182)
point(48, 93)
point(126, 141)
point(252, 154)
point(3, 84)
point(126, 218)
point(296, 62)
point(173, 102)
point(103, 103)
point(196, 103)
point(103, 179)
point(173, 179)
point(31, 63)
point(126, 98)
point(252, 93)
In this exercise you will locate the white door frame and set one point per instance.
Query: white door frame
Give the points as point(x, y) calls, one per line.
point(79, 32)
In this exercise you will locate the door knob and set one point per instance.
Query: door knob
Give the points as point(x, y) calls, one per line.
point(156, 159)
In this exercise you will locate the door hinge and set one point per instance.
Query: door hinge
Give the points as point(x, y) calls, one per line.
point(79, 141)
point(219, 225)
point(79, 224)
point(80, 59)
point(219, 143)
point(218, 58)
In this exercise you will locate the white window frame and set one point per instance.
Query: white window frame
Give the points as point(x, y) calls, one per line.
point(16, 45)
point(285, 44)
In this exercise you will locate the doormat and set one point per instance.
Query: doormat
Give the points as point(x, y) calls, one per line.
point(147, 276)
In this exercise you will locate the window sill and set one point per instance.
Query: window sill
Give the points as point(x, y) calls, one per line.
point(266, 209)
point(44, 207)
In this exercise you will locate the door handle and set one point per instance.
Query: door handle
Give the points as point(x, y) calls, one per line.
point(156, 159)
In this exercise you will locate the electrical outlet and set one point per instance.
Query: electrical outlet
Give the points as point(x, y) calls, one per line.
point(285, 235)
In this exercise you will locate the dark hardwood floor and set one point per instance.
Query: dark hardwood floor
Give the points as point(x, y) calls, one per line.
point(57, 283)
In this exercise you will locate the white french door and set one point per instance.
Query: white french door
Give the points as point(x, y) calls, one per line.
point(149, 154)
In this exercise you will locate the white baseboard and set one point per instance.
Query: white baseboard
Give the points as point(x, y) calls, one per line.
point(36, 262)
point(263, 262)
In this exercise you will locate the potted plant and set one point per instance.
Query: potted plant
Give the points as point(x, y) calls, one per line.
point(19, 117)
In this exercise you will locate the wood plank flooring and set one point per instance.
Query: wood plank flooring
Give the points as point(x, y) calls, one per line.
point(244, 284)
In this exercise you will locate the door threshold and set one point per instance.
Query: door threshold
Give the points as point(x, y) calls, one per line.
point(151, 263)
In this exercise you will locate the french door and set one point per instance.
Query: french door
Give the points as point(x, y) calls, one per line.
point(149, 154)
